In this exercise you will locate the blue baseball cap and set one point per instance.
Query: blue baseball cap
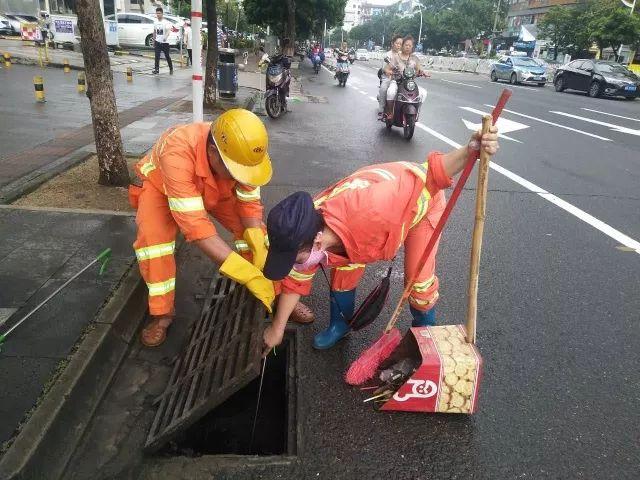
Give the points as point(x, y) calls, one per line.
point(292, 223)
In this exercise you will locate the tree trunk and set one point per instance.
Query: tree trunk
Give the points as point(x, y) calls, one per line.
point(104, 113)
point(291, 28)
point(211, 74)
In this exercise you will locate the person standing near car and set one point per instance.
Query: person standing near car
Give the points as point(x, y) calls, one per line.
point(188, 40)
point(161, 31)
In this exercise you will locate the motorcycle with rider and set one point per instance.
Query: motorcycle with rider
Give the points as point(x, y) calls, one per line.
point(278, 79)
point(342, 64)
point(404, 97)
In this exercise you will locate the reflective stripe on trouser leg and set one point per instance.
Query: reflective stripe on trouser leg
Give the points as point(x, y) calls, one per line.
point(155, 247)
point(424, 291)
point(346, 278)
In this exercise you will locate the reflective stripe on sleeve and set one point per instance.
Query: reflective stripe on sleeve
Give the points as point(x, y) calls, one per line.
point(350, 267)
point(189, 204)
point(386, 174)
point(241, 246)
point(147, 168)
point(424, 286)
point(155, 251)
point(161, 288)
point(423, 204)
point(300, 277)
point(419, 169)
point(248, 195)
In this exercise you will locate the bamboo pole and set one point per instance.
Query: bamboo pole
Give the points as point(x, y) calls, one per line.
point(476, 242)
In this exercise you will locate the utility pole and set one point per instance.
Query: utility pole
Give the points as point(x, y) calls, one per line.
point(324, 35)
point(495, 25)
point(420, 33)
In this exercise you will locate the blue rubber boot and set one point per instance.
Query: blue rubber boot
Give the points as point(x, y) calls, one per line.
point(423, 319)
point(338, 327)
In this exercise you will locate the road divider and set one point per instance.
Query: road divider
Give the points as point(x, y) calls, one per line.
point(82, 87)
point(38, 86)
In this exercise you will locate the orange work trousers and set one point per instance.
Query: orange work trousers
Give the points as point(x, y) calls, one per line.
point(424, 292)
point(155, 244)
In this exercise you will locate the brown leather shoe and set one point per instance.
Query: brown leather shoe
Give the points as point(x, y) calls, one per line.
point(155, 333)
point(302, 314)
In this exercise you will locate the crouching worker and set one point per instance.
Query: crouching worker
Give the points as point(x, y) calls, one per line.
point(362, 219)
point(192, 171)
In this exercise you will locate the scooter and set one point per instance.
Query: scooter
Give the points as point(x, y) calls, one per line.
point(316, 59)
point(352, 56)
point(406, 106)
point(342, 70)
point(278, 80)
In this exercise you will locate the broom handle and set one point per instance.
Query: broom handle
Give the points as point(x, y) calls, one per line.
point(472, 156)
point(476, 242)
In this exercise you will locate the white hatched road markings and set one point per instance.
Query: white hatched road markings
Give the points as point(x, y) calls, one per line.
point(612, 114)
point(589, 219)
point(616, 128)
point(460, 83)
point(554, 124)
point(504, 125)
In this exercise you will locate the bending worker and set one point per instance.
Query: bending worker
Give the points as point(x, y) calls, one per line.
point(362, 219)
point(191, 171)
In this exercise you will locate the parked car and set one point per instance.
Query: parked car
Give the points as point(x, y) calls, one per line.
point(518, 70)
point(362, 54)
point(5, 26)
point(136, 29)
point(598, 77)
point(15, 19)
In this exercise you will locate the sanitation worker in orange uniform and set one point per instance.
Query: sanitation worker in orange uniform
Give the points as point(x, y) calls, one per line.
point(192, 171)
point(361, 219)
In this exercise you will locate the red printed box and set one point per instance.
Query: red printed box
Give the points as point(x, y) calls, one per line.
point(448, 375)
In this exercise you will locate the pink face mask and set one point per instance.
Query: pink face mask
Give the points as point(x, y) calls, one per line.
point(316, 257)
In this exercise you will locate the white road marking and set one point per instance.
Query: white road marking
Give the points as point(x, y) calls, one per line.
point(566, 206)
point(611, 232)
point(504, 125)
point(612, 114)
point(460, 83)
point(554, 124)
point(373, 98)
point(516, 86)
point(616, 128)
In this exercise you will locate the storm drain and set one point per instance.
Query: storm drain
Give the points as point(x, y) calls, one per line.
point(222, 356)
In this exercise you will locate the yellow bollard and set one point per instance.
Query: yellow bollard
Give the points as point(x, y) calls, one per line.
point(39, 55)
point(7, 59)
point(81, 83)
point(38, 85)
point(129, 74)
point(66, 66)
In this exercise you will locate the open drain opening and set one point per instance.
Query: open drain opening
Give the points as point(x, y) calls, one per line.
point(227, 428)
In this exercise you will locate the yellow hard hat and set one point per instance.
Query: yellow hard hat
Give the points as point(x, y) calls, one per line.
point(242, 141)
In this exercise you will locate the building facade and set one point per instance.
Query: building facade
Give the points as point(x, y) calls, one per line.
point(352, 14)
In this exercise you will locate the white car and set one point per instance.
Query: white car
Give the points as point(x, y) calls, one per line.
point(136, 29)
point(362, 54)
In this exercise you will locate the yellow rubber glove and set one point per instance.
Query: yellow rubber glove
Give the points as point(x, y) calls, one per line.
point(254, 237)
point(242, 271)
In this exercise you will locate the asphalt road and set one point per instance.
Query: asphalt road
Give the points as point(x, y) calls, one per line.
point(558, 303)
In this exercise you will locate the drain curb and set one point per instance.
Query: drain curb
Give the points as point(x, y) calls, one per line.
point(46, 442)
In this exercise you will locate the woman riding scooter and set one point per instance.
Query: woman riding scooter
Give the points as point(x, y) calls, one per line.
point(399, 61)
point(385, 79)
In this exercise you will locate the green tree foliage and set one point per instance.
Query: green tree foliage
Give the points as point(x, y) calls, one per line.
point(310, 15)
point(611, 25)
point(567, 28)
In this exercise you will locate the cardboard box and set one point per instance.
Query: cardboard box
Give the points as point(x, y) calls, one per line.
point(448, 375)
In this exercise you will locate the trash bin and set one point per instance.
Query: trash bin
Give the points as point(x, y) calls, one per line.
point(227, 73)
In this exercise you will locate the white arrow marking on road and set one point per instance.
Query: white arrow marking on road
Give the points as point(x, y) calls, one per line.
point(612, 115)
point(504, 125)
point(613, 127)
point(554, 124)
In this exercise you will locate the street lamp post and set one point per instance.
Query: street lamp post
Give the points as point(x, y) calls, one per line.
point(420, 33)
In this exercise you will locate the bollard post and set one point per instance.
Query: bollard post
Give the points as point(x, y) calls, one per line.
point(39, 55)
point(129, 74)
point(66, 66)
point(38, 86)
point(7, 59)
point(81, 83)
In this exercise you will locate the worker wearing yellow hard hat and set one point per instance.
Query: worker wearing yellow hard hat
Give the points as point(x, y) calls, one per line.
point(194, 171)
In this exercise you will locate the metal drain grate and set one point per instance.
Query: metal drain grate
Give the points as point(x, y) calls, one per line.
point(222, 356)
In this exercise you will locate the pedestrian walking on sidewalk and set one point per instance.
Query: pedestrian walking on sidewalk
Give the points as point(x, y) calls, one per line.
point(161, 31)
point(188, 40)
